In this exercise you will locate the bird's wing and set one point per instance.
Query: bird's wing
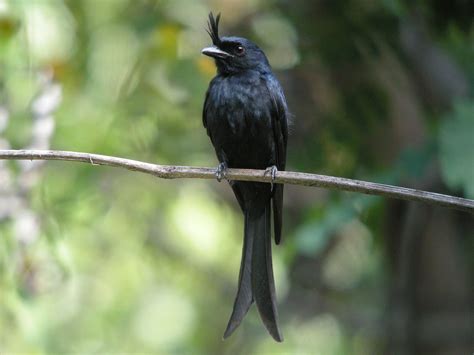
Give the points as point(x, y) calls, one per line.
point(279, 119)
point(204, 110)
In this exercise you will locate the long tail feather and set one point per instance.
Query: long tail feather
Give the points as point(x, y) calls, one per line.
point(256, 280)
point(277, 203)
point(263, 284)
point(244, 297)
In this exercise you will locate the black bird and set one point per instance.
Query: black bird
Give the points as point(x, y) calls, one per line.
point(246, 117)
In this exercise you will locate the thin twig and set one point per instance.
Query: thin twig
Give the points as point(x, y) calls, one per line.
point(283, 177)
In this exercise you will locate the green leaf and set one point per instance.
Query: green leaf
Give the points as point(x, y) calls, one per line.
point(313, 237)
point(457, 148)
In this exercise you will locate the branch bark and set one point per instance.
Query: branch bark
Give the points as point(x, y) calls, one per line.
point(283, 177)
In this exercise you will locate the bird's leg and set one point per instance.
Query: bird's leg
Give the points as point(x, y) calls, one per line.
point(272, 170)
point(221, 171)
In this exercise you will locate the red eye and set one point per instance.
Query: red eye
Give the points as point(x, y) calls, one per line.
point(239, 50)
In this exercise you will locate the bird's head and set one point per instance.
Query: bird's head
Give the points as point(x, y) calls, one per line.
point(233, 54)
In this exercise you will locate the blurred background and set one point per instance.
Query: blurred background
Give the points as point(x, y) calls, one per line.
point(101, 260)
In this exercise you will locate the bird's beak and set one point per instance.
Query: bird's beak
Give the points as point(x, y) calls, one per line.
point(215, 52)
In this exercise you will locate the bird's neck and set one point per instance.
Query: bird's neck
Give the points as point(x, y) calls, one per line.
point(242, 72)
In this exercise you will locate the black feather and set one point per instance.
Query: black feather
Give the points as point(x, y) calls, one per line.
point(246, 117)
point(213, 28)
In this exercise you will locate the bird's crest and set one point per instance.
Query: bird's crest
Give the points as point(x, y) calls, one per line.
point(213, 28)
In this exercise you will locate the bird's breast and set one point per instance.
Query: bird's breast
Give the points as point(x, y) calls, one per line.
point(240, 106)
point(239, 120)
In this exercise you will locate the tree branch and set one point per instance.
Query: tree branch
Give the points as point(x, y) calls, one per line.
point(284, 177)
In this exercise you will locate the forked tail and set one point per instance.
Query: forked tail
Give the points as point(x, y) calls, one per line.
point(256, 274)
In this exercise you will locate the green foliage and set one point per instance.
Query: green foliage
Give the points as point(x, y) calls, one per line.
point(312, 238)
point(457, 148)
point(125, 263)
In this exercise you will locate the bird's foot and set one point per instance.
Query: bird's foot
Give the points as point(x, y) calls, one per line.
point(272, 170)
point(221, 171)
